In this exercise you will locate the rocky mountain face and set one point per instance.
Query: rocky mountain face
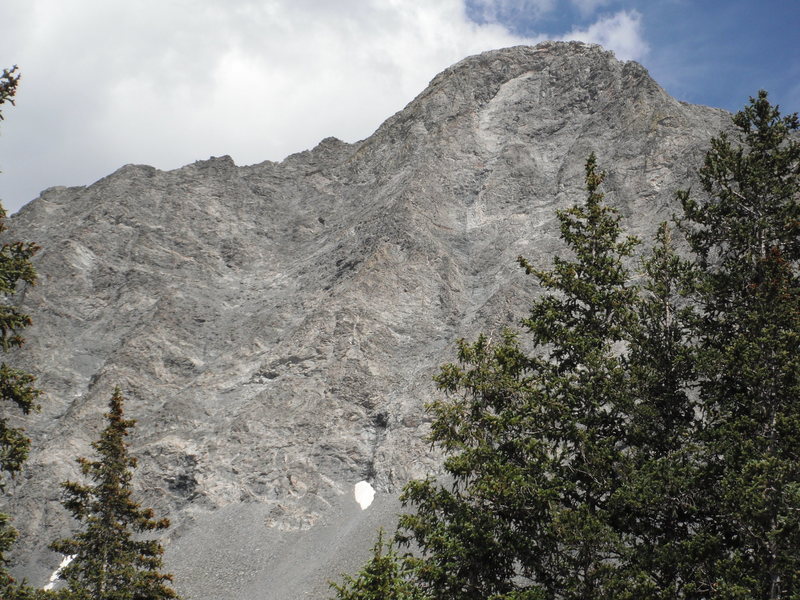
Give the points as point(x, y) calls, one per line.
point(275, 327)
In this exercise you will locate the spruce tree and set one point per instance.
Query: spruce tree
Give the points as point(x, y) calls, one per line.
point(533, 443)
point(112, 559)
point(655, 508)
point(745, 232)
point(17, 391)
point(468, 529)
point(386, 576)
point(650, 445)
point(583, 323)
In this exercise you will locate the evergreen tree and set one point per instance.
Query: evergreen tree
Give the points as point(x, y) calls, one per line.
point(650, 446)
point(533, 443)
point(386, 576)
point(471, 532)
point(655, 510)
point(17, 389)
point(584, 323)
point(112, 561)
point(9, 81)
point(745, 232)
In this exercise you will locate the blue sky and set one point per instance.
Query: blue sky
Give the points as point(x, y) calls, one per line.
point(709, 52)
point(167, 82)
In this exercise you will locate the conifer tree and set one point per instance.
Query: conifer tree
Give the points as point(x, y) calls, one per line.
point(472, 531)
point(655, 509)
point(386, 576)
point(17, 391)
point(745, 232)
point(112, 560)
point(582, 322)
point(533, 443)
point(650, 446)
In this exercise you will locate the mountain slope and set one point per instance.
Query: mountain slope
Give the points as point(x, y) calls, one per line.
point(276, 326)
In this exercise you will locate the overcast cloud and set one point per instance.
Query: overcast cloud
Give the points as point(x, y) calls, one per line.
point(167, 82)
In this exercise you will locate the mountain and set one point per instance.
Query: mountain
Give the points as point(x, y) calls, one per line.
point(275, 327)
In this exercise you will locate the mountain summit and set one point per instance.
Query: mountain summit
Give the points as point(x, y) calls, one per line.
point(276, 326)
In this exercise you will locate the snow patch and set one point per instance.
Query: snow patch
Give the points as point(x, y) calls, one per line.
point(364, 494)
point(57, 572)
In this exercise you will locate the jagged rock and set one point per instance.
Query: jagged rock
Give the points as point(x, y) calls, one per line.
point(275, 327)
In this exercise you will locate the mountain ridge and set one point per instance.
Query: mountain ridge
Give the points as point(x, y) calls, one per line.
point(276, 326)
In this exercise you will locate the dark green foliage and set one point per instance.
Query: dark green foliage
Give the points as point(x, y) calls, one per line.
point(17, 391)
point(751, 204)
point(39, 594)
point(746, 233)
point(583, 393)
point(29, 593)
point(467, 531)
point(9, 81)
point(533, 443)
point(654, 511)
point(113, 561)
point(649, 447)
point(591, 304)
point(386, 576)
point(16, 387)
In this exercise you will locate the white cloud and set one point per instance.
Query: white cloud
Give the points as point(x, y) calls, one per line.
point(167, 82)
point(588, 7)
point(621, 32)
point(505, 11)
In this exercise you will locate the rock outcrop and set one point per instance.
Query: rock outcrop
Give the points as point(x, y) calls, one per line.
point(275, 327)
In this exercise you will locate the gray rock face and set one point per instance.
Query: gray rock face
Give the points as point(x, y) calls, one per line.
point(275, 327)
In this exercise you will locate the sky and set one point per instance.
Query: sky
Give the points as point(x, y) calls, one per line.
point(166, 82)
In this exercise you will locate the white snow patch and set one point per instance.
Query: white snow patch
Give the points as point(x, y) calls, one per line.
point(364, 494)
point(57, 572)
